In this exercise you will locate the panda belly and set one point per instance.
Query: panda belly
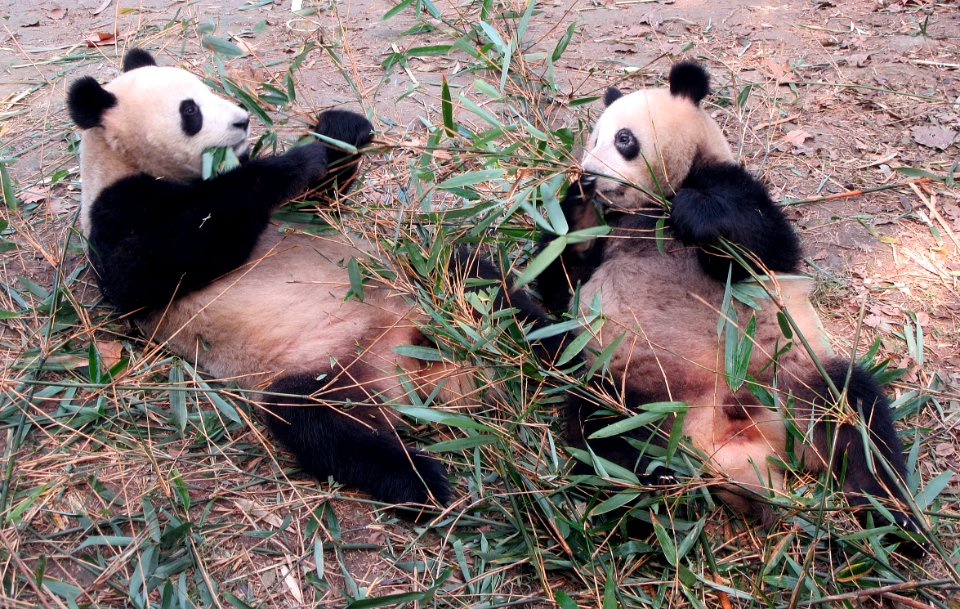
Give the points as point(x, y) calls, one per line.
point(285, 312)
point(667, 311)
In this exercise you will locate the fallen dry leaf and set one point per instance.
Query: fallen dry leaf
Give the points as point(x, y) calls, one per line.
point(779, 71)
point(100, 38)
point(110, 353)
point(858, 59)
point(797, 136)
point(945, 449)
point(932, 136)
point(57, 13)
point(34, 195)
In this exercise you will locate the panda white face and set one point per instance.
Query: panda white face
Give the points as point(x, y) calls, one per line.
point(164, 118)
point(648, 141)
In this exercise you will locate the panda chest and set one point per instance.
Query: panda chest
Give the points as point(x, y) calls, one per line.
point(662, 311)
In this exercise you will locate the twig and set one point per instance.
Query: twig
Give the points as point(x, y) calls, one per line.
point(882, 590)
point(857, 192)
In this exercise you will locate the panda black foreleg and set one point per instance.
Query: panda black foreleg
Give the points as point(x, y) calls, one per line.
point(577, 262)
point(356, 445)
point(724, 200)
point(348, 127)
point(851, 463)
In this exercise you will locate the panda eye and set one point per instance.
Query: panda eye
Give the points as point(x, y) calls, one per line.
point(626, 144)
point(191, 119)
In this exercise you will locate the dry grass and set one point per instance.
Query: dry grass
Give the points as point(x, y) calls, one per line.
point(127, 478)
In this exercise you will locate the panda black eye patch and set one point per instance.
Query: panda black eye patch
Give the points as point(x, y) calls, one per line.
point(627, 144)
point(191, 119)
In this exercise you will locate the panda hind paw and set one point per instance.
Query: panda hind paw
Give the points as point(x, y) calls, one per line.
point(409, 491)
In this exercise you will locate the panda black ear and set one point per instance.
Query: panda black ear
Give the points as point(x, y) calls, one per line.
point(137, 58)
point(87, 101)
point(612, 95)
point(690, 80)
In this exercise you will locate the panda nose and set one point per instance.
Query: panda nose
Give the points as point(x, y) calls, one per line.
point(242, 123)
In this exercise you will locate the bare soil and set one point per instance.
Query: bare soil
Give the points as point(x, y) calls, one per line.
point(823, 99)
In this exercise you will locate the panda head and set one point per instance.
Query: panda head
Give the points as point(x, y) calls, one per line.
point(150, 119)
point(651, 139)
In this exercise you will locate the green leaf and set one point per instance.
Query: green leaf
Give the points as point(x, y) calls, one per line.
point(558, 221)
point(470, 178)
point(610, 591)
point(563, 599)
point(563, 42)
point(461, 444)
point(574, 348)
point(431, 415)
point(338, 144)
point(177, 396)
point(486, 88)
point(396, 9)
point(667, 542)
point(554, 329)
point(653, 412)
point(119, 541)
point(784, 325)
point(615, 503)
point(6, 186)
point(913, 172)
point(736, 369)
point(542, 260)
point(494, 36)
point(426, 354)
point(446, 107)
point(933, 489)
point(603, 358)
point(356, 280)
point(392, 600)
point(429, 51)
point(224, 47)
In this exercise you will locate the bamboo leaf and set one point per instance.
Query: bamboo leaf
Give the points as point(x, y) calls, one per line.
point(446, 107)
point(224, 47)
point(469, 178)
point(542, 260)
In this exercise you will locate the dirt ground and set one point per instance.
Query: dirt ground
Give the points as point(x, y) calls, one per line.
point(824, 99)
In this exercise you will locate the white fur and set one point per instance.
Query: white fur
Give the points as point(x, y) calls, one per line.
point(667, 309)
point(142, 133)
point(672, 133)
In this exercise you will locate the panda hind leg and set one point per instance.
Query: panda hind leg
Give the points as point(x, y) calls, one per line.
point(358, 446)
point(851, 463)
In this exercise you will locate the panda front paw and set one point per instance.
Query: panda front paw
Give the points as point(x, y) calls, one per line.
point(690, 219)
point(345, 126)
point(583, 190)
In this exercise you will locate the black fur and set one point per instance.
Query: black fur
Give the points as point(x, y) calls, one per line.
point(813, 400)
point(151, 239)
point(347, 127)
point(87, 101)
point(137, 58)
point(574, 266)
point(611, 95)
point(355, 446)
point(690, 80)
point(627, 144)
point(191, 117)
point(724, 200)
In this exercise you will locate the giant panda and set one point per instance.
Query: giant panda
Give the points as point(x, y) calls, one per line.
point(200, 268)
point(661, 279)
